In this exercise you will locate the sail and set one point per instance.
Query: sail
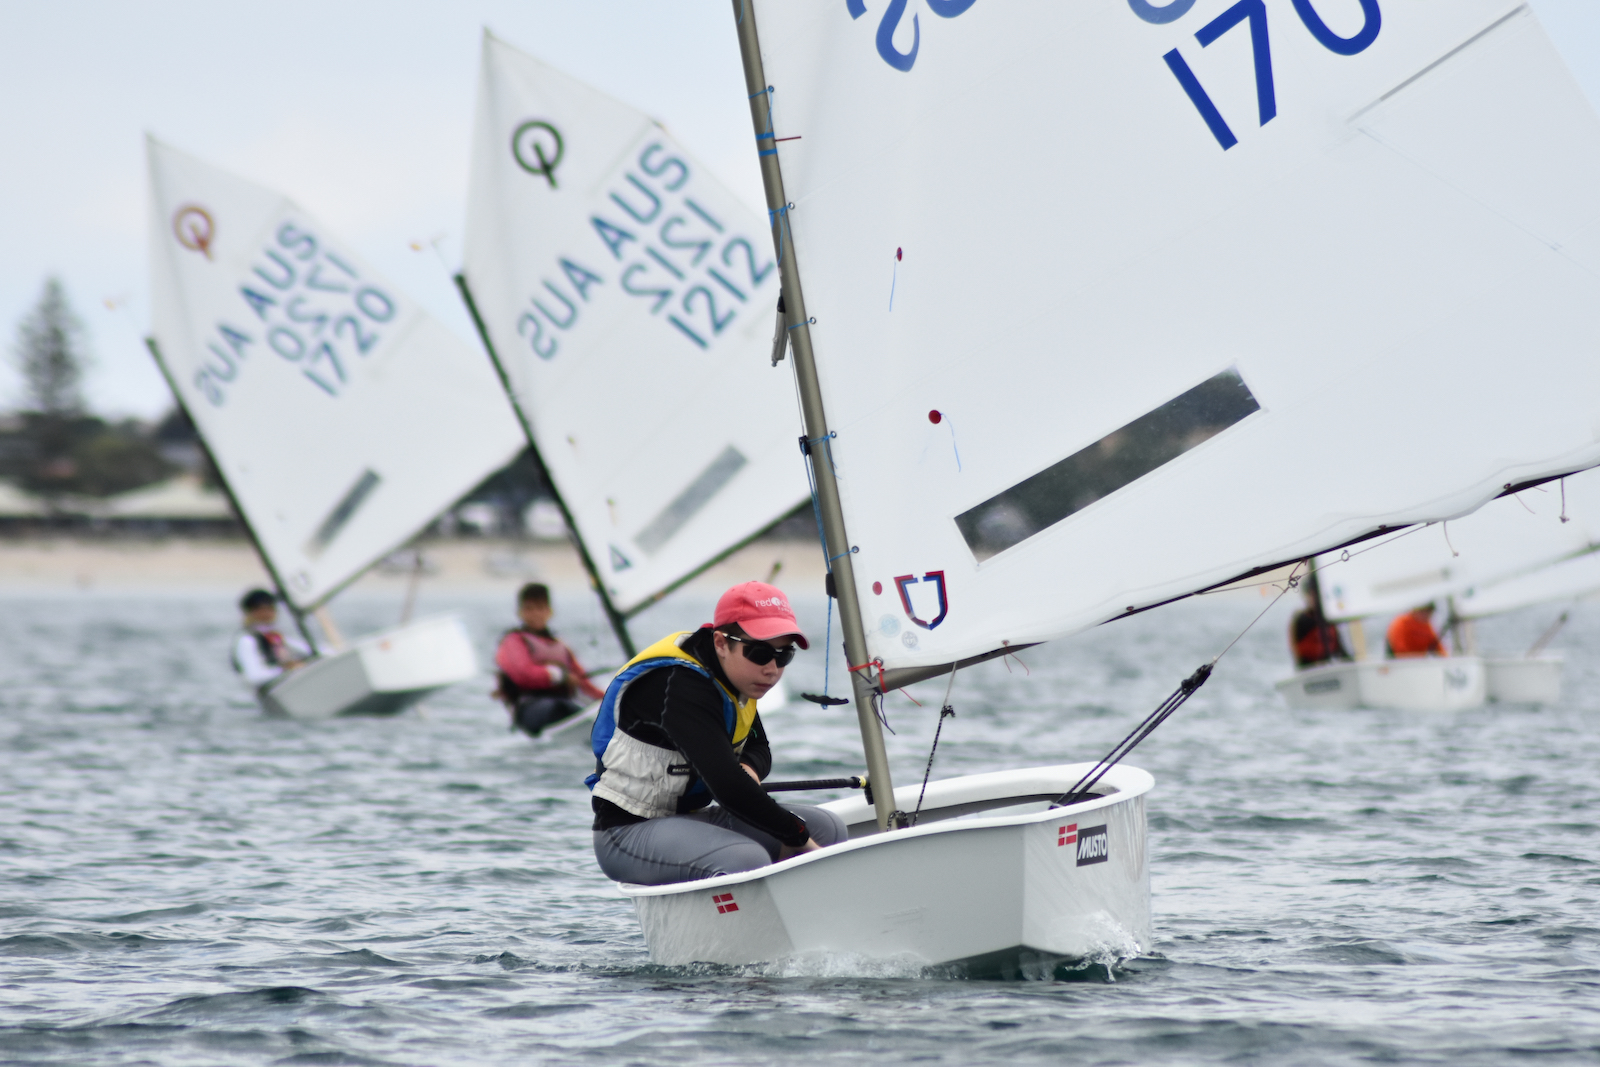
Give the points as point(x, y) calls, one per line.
point(1116, 300)
point(1506, 540)
point(1571, 579)
point(631, 299)
point(343, 418)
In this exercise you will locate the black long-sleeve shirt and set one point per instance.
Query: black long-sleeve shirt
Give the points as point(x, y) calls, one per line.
point(679, 708)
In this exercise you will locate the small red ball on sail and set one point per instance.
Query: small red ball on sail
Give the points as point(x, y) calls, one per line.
point(935, 418)
point(877, 588)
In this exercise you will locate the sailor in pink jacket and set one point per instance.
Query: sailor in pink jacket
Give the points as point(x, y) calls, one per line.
point(539, 676)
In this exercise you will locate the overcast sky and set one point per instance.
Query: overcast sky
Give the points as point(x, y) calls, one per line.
point(360, 110)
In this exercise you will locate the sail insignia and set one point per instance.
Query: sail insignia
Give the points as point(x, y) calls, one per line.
point(1117, 460)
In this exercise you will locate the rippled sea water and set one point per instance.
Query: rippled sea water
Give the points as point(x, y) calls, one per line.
point(185, 882)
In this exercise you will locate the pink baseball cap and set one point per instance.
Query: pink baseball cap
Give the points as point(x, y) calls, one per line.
point(761, 610)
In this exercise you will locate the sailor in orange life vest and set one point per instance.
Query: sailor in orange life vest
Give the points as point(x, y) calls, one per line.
point(677, 730)
point(1314, 639)
point(1412, 634)
point(260, 652)
point(539, 675)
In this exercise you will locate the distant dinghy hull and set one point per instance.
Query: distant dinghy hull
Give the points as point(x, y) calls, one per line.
point(383, 674)
point(1423, 683)
point(993, 882)
point(1524, 679)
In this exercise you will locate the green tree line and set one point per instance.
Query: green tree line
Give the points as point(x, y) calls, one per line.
point(52, 444)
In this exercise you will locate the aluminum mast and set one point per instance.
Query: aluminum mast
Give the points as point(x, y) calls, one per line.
point(836, 541)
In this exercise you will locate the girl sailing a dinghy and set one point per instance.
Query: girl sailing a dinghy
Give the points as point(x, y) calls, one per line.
point(678, 729)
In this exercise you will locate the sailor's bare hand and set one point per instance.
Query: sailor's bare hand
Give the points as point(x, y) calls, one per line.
point(787, 851)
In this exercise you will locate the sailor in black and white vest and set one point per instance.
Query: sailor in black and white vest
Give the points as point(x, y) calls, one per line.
point(261, 652)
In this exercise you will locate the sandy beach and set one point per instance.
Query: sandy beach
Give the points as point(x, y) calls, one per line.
point(464, 565)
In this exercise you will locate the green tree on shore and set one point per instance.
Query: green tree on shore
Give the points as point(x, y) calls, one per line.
point(49, 353)
point(57, 446)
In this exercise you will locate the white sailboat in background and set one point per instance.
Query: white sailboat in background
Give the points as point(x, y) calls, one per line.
point(1529, 548)
point(341, 418)
point(626, 298)
point(1082, 293)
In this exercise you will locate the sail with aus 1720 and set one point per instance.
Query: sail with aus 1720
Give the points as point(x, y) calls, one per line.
point(1146, 261)
point(340, 416)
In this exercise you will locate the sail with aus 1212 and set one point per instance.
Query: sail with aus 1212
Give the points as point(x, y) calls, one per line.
point(628, 300)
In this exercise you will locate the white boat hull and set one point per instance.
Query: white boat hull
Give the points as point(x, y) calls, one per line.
point(1420, 683)
point(1524, 680)
point(1012, 893)
point(378, 675)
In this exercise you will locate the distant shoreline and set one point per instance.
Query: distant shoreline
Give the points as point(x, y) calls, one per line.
point(459, 565)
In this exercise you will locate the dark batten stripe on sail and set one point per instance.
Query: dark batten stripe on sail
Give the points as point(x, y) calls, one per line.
point(1116, 460)
point(342, 511)
point(661, 529)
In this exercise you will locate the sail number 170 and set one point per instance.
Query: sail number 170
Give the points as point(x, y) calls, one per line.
point(1253, 13)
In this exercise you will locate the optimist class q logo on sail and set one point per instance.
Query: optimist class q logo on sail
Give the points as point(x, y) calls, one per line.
point(537, 147)
point(193, 227)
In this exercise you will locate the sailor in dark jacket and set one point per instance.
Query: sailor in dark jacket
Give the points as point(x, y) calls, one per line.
point(677, 730)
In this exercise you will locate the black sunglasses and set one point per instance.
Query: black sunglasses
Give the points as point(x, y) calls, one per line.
point(760, 653)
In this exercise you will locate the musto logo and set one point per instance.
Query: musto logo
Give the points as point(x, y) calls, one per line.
point(1093, 845)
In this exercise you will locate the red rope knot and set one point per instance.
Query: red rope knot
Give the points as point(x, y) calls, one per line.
point(867, 666)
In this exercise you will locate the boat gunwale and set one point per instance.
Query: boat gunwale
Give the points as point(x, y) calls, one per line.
point(1129, 783)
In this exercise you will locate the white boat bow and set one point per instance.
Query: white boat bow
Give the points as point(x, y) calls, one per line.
point(378, 675)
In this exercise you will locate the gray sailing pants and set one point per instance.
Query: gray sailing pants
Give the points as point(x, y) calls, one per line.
point(682, 848)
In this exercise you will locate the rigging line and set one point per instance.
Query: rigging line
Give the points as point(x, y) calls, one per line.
point(1166, 708)
point(827, 651)
point(883, 716)
point(822, 540)
point(1293, 582)
point(945, 711)
point(1191, 684)
point(1163, 712)
point(1564, 517)
point(1445, 526)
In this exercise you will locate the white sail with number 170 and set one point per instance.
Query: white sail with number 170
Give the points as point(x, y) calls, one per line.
point(629, 299)
point(1111, 301)
point(342, 418)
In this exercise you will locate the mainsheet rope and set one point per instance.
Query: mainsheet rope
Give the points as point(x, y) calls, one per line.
point(946, 711)
point(1186, 689)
